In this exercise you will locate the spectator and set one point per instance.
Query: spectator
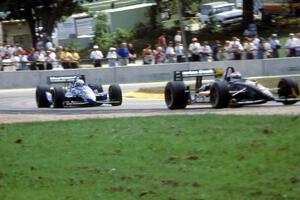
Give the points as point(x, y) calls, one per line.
point(178, 37)
point(23, 59)
point(195, 49)
point(132, 54)
point(112, 57)
point(65, 57)
point(298, 45)
point(205, 52)
point(75, 58)
point(179, 52)
point(162, 41)
point(215, 50)
point(227, 53)
point(249, 48)
point(236, 48)
point(52, 61)
point(170, 53)
point(159, 55)
point(123, 54)
point(32, 59)
point(40, 55)
point(275, 45)
point(96, 55)
point(147, 55)
point(291, 44)
point(261, 50)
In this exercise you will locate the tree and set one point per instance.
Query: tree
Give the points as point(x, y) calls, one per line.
point(248, 17)
point(45, 13)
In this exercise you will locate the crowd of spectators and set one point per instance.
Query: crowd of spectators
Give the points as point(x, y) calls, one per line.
point(236, 49)
point(46, 56)
point(43, 56)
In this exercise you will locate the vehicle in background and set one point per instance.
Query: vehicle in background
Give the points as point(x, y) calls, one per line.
point(221, 12)
point(271, 8)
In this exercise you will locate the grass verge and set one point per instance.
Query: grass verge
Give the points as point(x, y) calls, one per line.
point(169, 157)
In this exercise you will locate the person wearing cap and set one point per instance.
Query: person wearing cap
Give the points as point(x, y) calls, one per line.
point(291, 44)
point(112, 57)
point(195, 49)
point(275, 45)
point(96, 55)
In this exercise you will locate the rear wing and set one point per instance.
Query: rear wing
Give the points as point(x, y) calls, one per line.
point(64, 79)
point(180, 75)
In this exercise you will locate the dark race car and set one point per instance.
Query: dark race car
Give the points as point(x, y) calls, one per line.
point(72, 91)
point(228, 90)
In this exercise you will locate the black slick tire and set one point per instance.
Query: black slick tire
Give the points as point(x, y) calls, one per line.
point(58, 97)
point(288, 88)
point(176, 96)
point(219, 94)
point(115, 94)
point(41, 97)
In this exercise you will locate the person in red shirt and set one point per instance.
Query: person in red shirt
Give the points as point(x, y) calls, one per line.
point(162, 41)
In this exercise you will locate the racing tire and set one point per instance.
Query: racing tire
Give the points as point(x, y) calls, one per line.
point(288, 88)
point(219, 94)
point(41, 96)
point(58, 97)
point(115, 94)
point(175, 95)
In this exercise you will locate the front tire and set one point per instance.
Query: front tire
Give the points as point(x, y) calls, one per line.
point(219, 94)
point(175, 95)
point(115, 94)
point(58, 97)
point(41, 96)
point(288, 88)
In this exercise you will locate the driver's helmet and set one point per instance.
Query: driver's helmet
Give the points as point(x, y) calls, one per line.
point(79, 83)
point(235, 76)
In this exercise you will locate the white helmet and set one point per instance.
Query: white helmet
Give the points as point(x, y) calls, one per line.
point(235, 75)
point(79, 83)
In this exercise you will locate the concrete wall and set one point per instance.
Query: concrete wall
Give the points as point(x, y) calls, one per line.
point(150, 73)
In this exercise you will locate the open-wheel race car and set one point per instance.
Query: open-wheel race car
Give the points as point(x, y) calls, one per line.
point(64, 91)
point(228, 89)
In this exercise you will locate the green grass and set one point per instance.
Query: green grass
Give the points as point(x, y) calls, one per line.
point(175, 157)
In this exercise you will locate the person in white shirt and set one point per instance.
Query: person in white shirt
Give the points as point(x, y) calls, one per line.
point(250, 48)
point(179, 52)
point(178, 37)
point(291, 44)
point(195, 49)
point(96, 55)
point(170, 53)
point(236, 48)
point(112, 57)
point(205, 52)
point(275, 44)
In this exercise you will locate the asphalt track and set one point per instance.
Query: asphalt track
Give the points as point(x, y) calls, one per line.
point(19, 105)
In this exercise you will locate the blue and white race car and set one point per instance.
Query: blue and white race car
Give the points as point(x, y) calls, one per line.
point(75, 92)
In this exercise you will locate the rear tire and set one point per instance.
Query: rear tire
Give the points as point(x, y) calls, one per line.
point(288, 88)
point(115, 94)
point(41, 97)
point(58, 97)
point(219, 94)
point(175, 95)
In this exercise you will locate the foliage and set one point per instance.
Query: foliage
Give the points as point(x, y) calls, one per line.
point(40, 12)
point(105, 39)
point(167, 157)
